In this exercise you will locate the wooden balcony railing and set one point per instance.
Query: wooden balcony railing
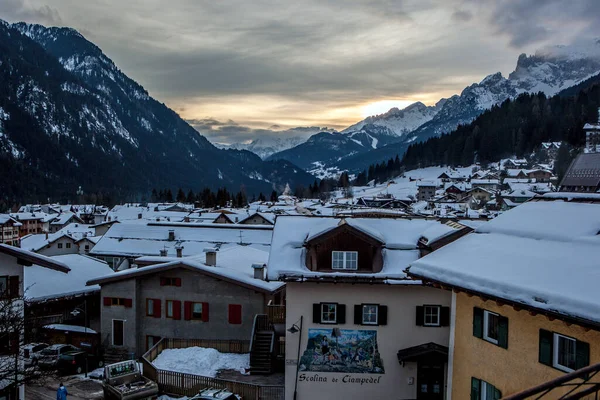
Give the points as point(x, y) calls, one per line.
point(276, 314)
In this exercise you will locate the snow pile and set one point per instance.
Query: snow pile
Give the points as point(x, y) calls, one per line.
point(201, 361)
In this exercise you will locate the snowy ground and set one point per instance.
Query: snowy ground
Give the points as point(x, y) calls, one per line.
point(201, 361)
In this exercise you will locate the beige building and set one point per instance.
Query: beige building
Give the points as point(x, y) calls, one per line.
point(525, 304)
point(357, 326)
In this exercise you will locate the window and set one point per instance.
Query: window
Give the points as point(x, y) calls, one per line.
point(3, 285)
point(196, 310)
point(169, 308)
point(153, 308)
point(170, 281)
point(344, 260)
point(491, 327)
point(117, 301)
point(565, 354)
point(235, 314)
point(151, 341)
point(482, 390)
point(59, 245)
point(431, 316)
point(369, 314)
point(68, 245)
point(328, 313)
point(87, 248)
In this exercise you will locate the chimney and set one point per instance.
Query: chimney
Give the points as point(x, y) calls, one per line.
point(163, 252)
point(46, 232)
point(171, 235)
point(139, 215)
point(179, 250)
point(211, 256)
point(259, 271)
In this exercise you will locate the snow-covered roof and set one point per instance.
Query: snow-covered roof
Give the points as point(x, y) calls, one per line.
point(41, 283)
point(63, 218)
point(4, 218)
point(34, 258)
point(136, 239)
point(234, 262)
point(484, 182)
point(26, 216)
point(521, 193)
point(541, 254)
point(591, 127)
point(74, 231)
point(399, 238)
point(70, 328)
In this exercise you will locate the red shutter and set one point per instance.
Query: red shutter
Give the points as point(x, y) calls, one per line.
point(235, 314)
point(13, 286)
point(177, 281)
point(205, 312)
point(163, 281)
point(176, 309)
point(107, 301)
point(157, 305)
point(187, 310)
point(128, 303)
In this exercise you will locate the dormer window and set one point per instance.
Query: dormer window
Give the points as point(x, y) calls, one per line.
point(344, 260)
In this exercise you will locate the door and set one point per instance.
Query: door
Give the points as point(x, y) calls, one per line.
point(118, 332)
point(430, 381)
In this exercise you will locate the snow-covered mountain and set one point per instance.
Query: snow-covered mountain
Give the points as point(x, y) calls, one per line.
point(264, 147)
point(70, 117)
point(550, 70)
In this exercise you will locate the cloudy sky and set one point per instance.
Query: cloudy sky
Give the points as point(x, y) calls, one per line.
point(239, 68)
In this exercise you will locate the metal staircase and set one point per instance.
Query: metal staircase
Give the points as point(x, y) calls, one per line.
point(262, 345)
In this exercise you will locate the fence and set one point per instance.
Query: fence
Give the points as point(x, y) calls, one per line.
point(276, 314)
point(190, 384)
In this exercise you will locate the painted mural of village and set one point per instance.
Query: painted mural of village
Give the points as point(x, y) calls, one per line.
point(342, 350)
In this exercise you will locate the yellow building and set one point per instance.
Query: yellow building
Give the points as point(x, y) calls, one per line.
point(525, 301)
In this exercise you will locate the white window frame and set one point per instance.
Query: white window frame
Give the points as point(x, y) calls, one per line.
point(345, 260)
point(483, 390)
point(376, 314)
point(201, 311)
point(555, 350)
point(439, 315)
point(334, 313)
point(486, 337)
point(172, 304)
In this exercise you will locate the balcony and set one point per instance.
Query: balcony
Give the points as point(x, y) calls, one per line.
point(276, 314)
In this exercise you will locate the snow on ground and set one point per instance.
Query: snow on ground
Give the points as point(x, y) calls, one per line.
point(201, 361)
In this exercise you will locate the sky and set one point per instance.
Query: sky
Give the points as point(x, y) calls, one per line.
point(239, 69)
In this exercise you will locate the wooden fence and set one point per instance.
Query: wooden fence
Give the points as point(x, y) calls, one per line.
point(190, 384)
point(276, 314)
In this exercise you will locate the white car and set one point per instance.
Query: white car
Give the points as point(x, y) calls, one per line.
point(32, 352)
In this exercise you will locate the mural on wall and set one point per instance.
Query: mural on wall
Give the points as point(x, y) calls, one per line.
point(342, 350)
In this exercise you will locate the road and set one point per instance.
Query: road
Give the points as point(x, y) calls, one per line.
point(79, 388)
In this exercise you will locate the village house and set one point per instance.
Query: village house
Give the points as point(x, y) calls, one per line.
point(540, 175)
point(583, 174)
point(550, 149)
point(258, 219)
point(357, 326)
point(214, 295)
point(101, 228)
point(525, 308)
point(62, 220)
point(66, 241)
point(32, 222)
point(9, 230)
point(13, 260)
point(425, 190)
point(592, 136)
point(488, 184)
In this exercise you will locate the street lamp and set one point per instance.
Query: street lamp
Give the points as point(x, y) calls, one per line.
point(75, 313)
point(293, 330)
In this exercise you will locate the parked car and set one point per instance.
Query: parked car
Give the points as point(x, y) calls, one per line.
point(212, 394)
point(73, 362)
point(32, 352)
point(51, 354)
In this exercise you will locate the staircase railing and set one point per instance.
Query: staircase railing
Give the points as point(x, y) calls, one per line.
point(582, 383)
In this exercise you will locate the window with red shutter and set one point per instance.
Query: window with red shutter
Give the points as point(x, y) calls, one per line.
point(107, 301)
point(204, 312)
point(176, 309)
point(187, 310)
point(128, 303)
point(163, 281)
point(157, 305)
point(235, 314)
point(177, 281)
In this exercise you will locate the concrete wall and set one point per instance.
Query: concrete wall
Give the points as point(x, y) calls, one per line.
point(400, 332)
point(517, 367)
point(126, 289)
point(194, 287)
